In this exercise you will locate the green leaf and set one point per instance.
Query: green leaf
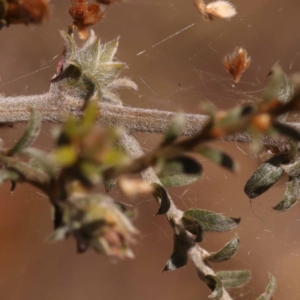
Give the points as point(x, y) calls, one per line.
point(291, 195)
point(90, 52)
point(73, 70)
point(210, 221)
point(194, 227)
point(90, 116)
point(65, 156)
point(279, 86)
point(270, 290)
point(110, 97)
point(6, 175)
point(226, 253)
point(287, 131)
point(180, 171)
point(215, 284)
point(109, 184)
point(42, 159)
point(234, 279)
point(69, 44)
point(30, 134)
point(292, 169)
point(109, 50)
point(107, 72)
point(175, 129)
point(265, 176)
point(179, 257)
point(161, 193)
point(218, 157)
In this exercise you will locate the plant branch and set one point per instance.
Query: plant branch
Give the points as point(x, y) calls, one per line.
point(54, 107)
point(174, 215)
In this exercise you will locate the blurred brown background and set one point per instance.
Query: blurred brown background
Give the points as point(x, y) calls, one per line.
point(175, 74)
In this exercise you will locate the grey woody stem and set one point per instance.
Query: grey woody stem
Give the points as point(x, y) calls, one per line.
point(54, 107)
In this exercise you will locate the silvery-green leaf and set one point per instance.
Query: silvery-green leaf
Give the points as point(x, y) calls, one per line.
point(287, 131)
point(291, 195)
point(107, 72)
point(292, 169)
point(92, 87)
point(279, 86)
point(218, 157)
point(161, 193)
point(59, 234)
point(215, 284)
point(109, 184)
point(270, 290)
point(226, 253)
point(180, 171)
point(211, 221)
point(30, 134)
point(265, 176)
point(110, 97)
point(42, 159)
point(73, 70)
point(194, 227)
point(175, 128)
point(6, 175)
point(234, 279)
point(69, 44)
point(123, 83)
point(109, 50)
point(179, 257)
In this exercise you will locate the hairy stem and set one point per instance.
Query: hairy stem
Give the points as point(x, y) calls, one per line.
point(174, 215)
point(53, 107)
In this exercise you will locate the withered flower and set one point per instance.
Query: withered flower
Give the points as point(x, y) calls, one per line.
point(85, 15)
point(236, 63)
point(220, 9)
point(96, 221)
point(26, 11)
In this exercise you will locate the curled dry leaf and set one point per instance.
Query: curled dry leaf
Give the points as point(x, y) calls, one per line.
point(236, 63)
point(133, 187)
point(220, 9)
point(85, 15)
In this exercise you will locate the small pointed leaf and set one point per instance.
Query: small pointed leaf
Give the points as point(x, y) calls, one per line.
point(218, 157)
point(179, 257)
point(106, 73)
point(227, 252)
point(69, 44)
point(6, 175)
point(287, 131)
point(234, 279)
point(292, 169)
point(123, 83)
point(180, 171)
point(215, 284)
point(30, 134)
point(265, 176)
point(162, 194)
point(110, 97)
point(42, 159)
point(270, 290)
point(211, 221)
point(291, 195)
point(109, 51)
point(175, 129)
point(279, 86)
point(109, 184)
point(73, 70)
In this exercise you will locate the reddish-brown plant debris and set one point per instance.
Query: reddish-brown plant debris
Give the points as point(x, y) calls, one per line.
point(236, 63)
point(107, 2)
point(85, 15)
point(26, 12)
point(220, 9)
